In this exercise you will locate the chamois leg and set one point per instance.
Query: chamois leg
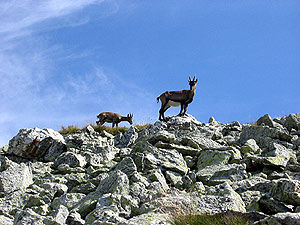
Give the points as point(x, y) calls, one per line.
point(180, 114)
point(185, 108)
point(101, 122)
point(163, 113)
point(114, 122)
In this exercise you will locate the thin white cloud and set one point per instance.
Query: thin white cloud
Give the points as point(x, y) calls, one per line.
point(18, 15)
point(28, 92)
point(90, 83)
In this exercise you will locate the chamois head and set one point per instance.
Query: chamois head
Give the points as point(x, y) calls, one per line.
point(192, 83)
point(130, 116)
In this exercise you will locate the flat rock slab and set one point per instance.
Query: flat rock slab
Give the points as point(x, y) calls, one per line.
point(15, 177)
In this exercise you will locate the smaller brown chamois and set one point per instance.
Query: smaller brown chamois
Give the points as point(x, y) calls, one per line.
point(113, 118)
point(177, 98)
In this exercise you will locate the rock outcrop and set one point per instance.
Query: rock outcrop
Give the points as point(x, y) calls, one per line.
point(142, 175)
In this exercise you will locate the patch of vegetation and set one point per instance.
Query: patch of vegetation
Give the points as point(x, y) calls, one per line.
point(98, 128)
point(207, 219)
point(69, 129)
point(111, 130)
point(142, 126)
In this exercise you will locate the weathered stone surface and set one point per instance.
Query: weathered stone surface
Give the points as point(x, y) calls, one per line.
point(156, 175)
point(90, 130)
point(174, 178)
point(263, 135)
point(271, 206)
point(279, 156)
point(171, 160)
point(219, 173)
point(292, 121)
point(163, 136)
point(35, 143)
point(282, 218)
point(150, 218)
point(251, 199)
point(186, 122)
point(117, 182)
point(265, 120)
point(184, 150)
point(74, 218)
point(287, 191)
point(28, 216)
point(69, 200)
point(128, 138)
point(6, 220)
point(127, 166)
point(250, 147)
point(14, 176)
point(60, 214)
point(139, 176)
point(221, 198)
point(71, 159)
point(206, 143)
point(212, 157)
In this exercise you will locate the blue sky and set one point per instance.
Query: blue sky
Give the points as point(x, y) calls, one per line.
point(63, 62)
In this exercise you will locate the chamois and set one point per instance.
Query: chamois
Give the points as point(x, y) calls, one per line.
point(113, 118)
point(176, 98)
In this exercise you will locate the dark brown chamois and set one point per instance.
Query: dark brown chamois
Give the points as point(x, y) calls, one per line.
point(176, 98)
point(113, 118)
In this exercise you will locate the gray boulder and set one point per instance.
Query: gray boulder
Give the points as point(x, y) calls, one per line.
point(263, 135)
point(278, 156)
point(282, 218)
point(212, 157)
point(68, 200)
point(117, 182)
point(184, 150)
point(127, 166)
point(272, 206)
point(128, 138)
point(216, 174)
point(6, 220)
point(265, 120)
point(163, 136)
point(157, 175)
point(71, 159)
point(251, 147)
point(292, 122)
point(28, 216)
point(170, 160)
point(60, 215)
point(286, 190)
point(15, 176)
point(74, 218)
point(37, 143)
point(150, 218)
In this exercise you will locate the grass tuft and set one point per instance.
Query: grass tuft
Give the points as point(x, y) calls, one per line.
point(141, 126)
point(207, 219)
point(69, 129)
point(98, 128)
point(111, 130)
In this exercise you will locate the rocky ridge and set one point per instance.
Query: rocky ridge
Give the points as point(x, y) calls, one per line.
point(143, 176)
